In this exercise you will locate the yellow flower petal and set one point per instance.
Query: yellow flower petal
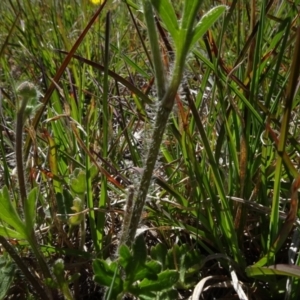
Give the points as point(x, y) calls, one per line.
point(97, 1)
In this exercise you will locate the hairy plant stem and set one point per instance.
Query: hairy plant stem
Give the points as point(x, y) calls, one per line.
point(162, 117)
point(21, 118)
point(127, 216)
point(19, 154)
point(167, 99)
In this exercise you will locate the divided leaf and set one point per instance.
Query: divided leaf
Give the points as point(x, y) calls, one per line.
point(125, 256)
point(165, 281)
point(159, 253)
point(105, 274)
point(138, 259)
point(148, 271)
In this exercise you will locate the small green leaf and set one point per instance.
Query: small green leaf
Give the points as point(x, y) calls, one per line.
point(8, 213)
point(104, 275)
point(139, 250)
point(173, 257)
point(93, 171)
point(159, 253)
point(77, 208)
point(10, 233)
point(78, 182)
point(30, 210)
point(125, 256)
point(182, 266)
point(207, 20)
point(138, 259)
point(146, 272)
point(154, 266)
point(101, 266)
point(166, 280)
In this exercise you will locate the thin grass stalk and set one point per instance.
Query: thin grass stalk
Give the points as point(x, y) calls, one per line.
point(89, 196)
point(12, 28)
point(263, 190)
point(225, 217)
point(286, 23)
point(202, 188)
point(232, 86)
point(279, 58)
point(257, 55)
point(133, 18)
point(19, 150)
point(199, 98)
point(283, 137)
point(105, 130)
point(26, 91)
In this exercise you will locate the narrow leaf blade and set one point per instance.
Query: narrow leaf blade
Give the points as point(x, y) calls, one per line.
point(30, 210)
point(167, 14)
point(207, 21)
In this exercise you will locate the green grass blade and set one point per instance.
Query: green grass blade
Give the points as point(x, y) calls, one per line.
point(105, 123)
point(225, 216)
point(166, 12)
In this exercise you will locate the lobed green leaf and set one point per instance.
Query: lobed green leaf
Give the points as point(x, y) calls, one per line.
point(165, 281)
